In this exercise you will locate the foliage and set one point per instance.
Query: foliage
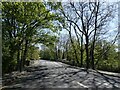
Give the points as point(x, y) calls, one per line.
point(24, 24)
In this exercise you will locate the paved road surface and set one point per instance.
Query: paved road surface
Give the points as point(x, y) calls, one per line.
point(49, 74)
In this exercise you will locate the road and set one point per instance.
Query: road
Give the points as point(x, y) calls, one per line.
point(50, 74)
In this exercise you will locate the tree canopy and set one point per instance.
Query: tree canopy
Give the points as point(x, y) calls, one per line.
point(26, 26)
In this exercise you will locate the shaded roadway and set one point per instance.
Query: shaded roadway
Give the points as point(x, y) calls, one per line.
point(50, 74)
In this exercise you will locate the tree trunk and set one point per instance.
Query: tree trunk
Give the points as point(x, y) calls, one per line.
point(81, 51)
point(94, 38)
point(80, 48)
point(75, 52)
point(67, 50)
point(92, 57)
point(18, 60)
point(56, 53)
point(87, 52)
point(25, 53)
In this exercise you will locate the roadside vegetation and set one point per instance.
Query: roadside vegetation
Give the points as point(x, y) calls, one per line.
point(73, 33)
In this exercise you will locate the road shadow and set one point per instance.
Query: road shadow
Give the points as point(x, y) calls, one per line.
point(62, 76)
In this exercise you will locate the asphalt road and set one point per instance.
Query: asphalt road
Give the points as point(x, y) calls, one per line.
point(49, 74)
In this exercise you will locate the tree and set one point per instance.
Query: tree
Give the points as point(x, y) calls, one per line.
point(24, 23)
point(109, 60)
point(89, 20)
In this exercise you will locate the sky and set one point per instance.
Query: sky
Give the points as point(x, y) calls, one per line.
point(112, 27)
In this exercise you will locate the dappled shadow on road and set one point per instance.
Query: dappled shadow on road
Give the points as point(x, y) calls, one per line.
point(63, 77)
point(111, 80)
